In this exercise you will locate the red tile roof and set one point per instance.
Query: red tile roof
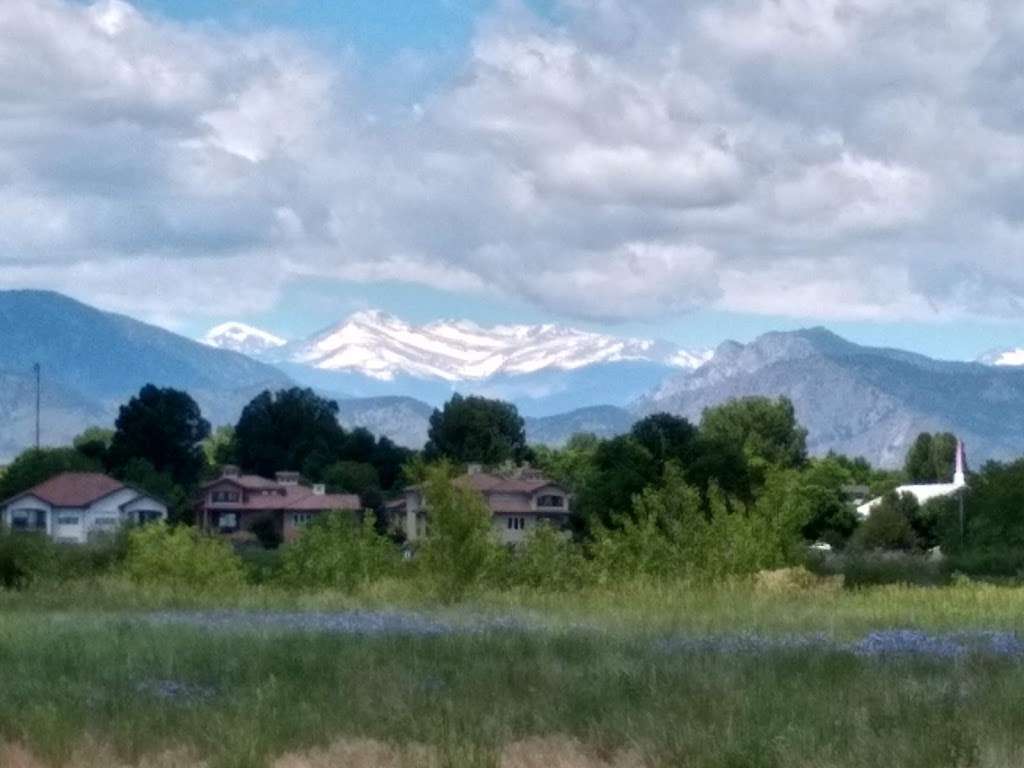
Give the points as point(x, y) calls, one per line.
point(73, 489)
point(301, 498)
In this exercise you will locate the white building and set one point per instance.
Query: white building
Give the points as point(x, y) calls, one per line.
point(73, 506)
point(927, 492)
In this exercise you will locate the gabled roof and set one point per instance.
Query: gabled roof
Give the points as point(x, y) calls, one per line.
point(301, 498)
point(72, 489)
point(250, 482)
point(488, 483)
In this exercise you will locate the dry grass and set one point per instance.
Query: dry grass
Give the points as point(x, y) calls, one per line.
point(545, 752)
point(91, 755)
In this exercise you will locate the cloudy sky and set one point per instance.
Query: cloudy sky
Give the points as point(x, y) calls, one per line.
point(691, 170)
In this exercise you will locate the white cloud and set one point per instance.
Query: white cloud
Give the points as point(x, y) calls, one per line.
point(837, 158)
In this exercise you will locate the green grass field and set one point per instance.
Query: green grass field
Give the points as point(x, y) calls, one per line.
point(595, 681)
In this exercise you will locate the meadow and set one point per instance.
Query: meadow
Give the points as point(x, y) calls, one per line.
point(779, 670)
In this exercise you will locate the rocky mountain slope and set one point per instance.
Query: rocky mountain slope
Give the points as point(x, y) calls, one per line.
point(859, 400)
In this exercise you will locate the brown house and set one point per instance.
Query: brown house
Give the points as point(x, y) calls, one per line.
point(518, 502)
point(235, 503)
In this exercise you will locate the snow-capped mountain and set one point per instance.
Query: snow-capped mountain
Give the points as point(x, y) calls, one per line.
point(1005, 358)
point(384, 347)
point(239, 337)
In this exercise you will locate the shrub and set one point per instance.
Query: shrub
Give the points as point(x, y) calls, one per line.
point(340, 553)
point(25, 558)
point(459, 549)
point(547, 560)
point(182, 557)
point(102, 554)
point(866, 569)
point(890, 524)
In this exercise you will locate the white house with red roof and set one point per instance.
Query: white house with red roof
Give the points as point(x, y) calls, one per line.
point(236, 503)
point(72, 507)
point(519, 502)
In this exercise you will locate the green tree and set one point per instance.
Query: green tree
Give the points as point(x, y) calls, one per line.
point(547, 560)
point(219, 448)
point(890, 524)
point(667, 438)
point(830, 517)
point(766, 429)
point(355, 477)
point(571, 465)
point(622, 469)
point(94, 442)
point(144, 476)
point(932, 458)
point(338, 553)
point(459, 549)
point(35, 466)
point(166, 428)
point(182, 558)
point(664, 536)
point(292, 429)
point(476, 429)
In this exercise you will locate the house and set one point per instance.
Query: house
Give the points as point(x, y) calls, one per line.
point(235, 503)
point(74, 506)
point(928, 491)
point(518, 503)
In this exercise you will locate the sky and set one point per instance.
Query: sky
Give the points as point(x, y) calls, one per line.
point(692, 171)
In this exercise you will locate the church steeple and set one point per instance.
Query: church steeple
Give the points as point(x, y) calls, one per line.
point(960, 475)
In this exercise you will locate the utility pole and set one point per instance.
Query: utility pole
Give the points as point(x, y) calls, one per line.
point(37, 370)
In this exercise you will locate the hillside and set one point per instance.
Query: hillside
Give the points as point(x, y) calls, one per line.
point(859, 400)
point(92, 361)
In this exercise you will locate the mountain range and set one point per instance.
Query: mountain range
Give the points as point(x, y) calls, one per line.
point(388, 376)
point(544, 369)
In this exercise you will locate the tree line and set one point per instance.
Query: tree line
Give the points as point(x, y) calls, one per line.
point(745, 465)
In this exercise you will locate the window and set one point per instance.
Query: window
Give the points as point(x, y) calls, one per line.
point(301, 518)
point(516, 523)
point(551, 500)
point(224, 496)
point(28, 520)
point(68, 520)
point(105, 522)
point(227, 521)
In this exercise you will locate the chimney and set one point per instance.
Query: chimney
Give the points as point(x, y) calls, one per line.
point(319, 489)
point(287, 478)
point(229, 470)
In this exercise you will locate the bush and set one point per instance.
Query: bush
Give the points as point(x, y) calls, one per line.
point(1000, 562)
point(101, 555)
point(547, 561)
point(25, 558)
point(866, 569)
point(459, 550)
point(339, 553)
point(890, 525)
point(182, 557)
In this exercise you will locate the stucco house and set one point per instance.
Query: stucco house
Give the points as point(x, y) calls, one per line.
point(72, 507)
point(518, 502)
point(235, 503)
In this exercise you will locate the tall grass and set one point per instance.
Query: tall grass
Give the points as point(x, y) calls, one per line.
point(241, 700)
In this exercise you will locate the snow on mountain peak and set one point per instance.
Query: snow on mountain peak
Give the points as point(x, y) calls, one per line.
point(1006, 358)
point(239, 337)
point(383, 346)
